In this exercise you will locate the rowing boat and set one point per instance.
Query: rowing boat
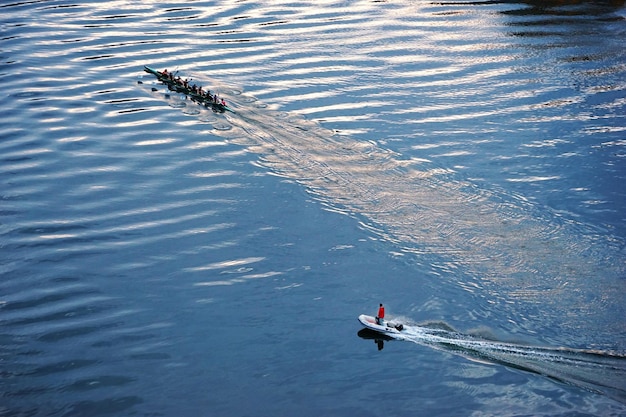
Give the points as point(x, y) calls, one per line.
point(204, 99)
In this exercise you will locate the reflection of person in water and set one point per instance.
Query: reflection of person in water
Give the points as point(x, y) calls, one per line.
point(379, 339)
point(380, 317)
point(380, 343)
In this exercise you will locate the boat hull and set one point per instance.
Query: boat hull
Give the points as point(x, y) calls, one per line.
point(388, 328)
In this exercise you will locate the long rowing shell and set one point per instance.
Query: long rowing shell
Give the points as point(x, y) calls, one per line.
point(174, 86)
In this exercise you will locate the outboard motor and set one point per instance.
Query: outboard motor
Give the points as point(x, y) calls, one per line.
point(399, 327)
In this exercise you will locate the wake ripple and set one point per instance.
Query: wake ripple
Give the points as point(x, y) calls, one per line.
point(598, 371)
point(396, 84)
point(509, 246)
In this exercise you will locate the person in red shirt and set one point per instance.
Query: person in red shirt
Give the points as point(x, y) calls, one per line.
point(380, 317)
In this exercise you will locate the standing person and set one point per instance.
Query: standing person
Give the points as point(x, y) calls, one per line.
point(380, 317)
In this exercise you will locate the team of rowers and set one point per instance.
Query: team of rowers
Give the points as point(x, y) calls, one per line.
point(197, 90)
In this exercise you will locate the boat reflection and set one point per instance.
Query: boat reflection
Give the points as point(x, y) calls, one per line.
point(378, 338)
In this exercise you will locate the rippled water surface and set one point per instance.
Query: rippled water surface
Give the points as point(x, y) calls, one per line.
point(462, 162)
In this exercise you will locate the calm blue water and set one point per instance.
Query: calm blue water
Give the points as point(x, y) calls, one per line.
point(461, 162)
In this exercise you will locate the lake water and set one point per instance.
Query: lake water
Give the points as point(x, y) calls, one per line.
point(462, 162)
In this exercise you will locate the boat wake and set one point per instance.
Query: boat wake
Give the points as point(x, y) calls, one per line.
point(428, 210)
point(498, 245)
point(598, 371)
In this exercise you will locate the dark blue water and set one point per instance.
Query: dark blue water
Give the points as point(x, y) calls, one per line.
point(461, 162)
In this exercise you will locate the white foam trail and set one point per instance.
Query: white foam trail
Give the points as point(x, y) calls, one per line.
point(598, 371)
